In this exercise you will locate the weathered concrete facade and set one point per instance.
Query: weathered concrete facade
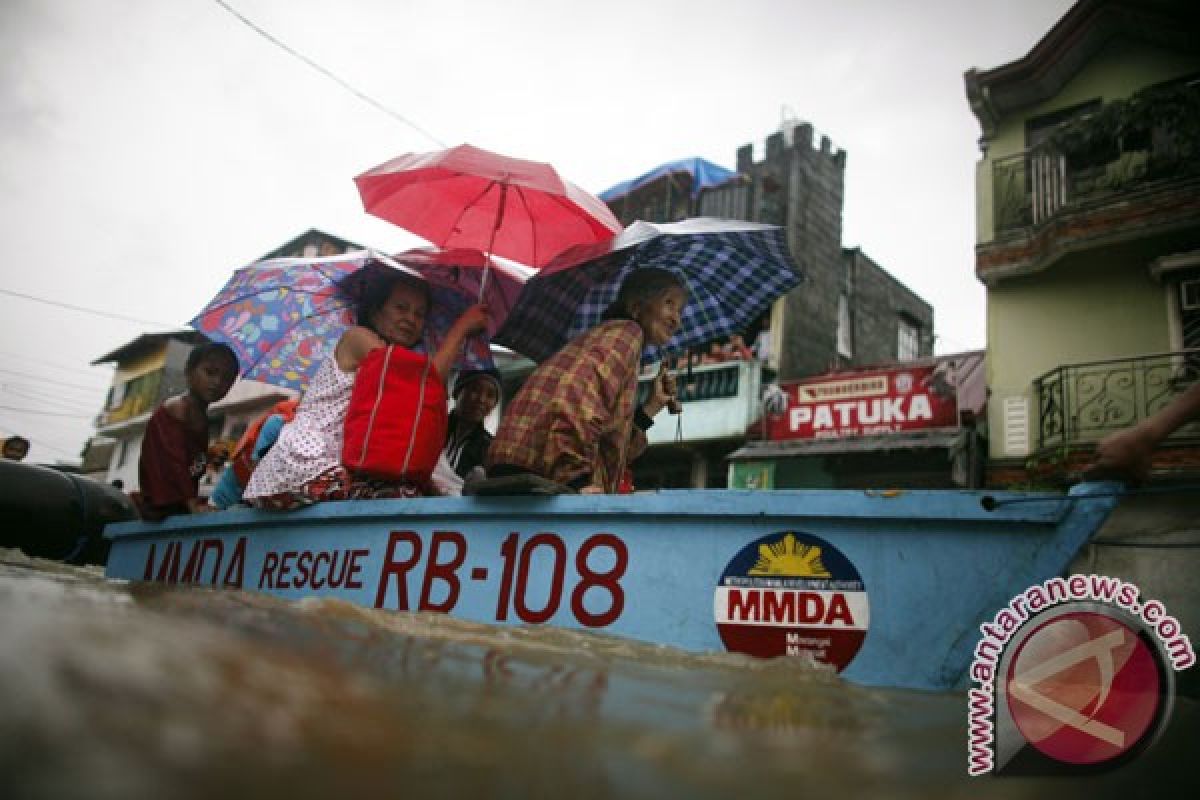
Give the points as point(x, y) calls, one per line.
point(880, 305)
point(799, 185)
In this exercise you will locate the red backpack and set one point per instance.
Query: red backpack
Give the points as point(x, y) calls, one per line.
point(396, 422)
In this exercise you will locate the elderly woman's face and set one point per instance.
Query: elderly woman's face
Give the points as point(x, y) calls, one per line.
point(660, 314)
point(401, 318)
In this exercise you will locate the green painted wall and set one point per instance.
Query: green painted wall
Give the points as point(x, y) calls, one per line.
point(782, 473)
point(1090, 307)
point(1118, 70)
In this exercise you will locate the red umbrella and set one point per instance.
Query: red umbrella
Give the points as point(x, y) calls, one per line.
point(465, 197)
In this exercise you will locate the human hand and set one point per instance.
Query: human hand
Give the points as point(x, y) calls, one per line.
point(662, 393)
point(199, 505)
point(1124, 455)
point(474, 319)
point(592, 489)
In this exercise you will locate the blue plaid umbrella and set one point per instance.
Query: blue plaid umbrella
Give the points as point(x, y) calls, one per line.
point(733, 271)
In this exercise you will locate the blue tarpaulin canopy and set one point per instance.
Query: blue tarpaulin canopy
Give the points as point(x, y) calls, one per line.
point(704, 174)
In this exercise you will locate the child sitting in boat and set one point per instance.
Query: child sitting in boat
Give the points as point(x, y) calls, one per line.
point(575, 421)
point(176, 441)
point(254, 444)
point(305, 464)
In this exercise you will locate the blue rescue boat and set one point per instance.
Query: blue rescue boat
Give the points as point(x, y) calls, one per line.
point(888, 587)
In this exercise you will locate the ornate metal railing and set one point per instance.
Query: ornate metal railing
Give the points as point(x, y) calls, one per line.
point(1152, 136)
point(1081, 403)
point(706, 383)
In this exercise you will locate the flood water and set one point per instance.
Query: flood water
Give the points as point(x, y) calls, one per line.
point(123, 690)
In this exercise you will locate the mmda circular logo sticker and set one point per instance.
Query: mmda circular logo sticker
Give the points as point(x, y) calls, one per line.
point(792, 593)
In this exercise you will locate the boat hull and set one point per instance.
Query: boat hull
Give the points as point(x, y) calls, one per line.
point(887, 587)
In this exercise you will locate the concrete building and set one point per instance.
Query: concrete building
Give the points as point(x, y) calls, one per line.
point(150, 368)
point(848, 313)
point(1088, 234)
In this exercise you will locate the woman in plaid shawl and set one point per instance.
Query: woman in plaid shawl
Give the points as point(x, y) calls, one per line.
point(574, 421)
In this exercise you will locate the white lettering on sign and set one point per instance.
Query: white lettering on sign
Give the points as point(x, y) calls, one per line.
point(813, 609)
point(850, 414)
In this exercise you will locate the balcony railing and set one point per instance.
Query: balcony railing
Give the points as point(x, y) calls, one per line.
point(1128, 144)
point(138, 396)
point(1081, 403)
point(719, 401)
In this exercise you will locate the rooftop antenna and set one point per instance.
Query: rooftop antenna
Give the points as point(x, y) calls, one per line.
point(788, 120)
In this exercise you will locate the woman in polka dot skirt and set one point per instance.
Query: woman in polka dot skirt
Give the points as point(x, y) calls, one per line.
point(304, 466)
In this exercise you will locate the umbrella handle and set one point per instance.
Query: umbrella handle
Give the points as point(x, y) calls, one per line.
point(673, 404)
point(487, 264)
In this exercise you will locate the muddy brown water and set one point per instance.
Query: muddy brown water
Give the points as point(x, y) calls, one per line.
point(113, 689)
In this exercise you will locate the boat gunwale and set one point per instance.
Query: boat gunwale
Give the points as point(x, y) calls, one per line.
point(977, 506)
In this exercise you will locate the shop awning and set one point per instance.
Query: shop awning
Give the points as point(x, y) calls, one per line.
point(947, 439)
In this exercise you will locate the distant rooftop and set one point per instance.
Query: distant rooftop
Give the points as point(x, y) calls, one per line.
point(704, 174)
point(317, 243)
point(147, 341)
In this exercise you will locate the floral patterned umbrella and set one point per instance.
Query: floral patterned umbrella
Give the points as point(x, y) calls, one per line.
point(283, 317)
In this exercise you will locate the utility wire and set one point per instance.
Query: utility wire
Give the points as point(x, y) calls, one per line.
point(360, 95)
point(45, 413)
point(37, 440)
point(49, 402)
point(39, 378)
point(42, 362)
point(86, 310)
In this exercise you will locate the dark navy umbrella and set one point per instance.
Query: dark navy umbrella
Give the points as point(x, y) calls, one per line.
point(733, 271)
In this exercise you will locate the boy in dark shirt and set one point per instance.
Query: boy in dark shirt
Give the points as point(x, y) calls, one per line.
point(176, 441)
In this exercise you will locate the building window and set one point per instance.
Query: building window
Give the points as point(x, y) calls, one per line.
point(1189, 312)
point(908, 340)
point(116, 396)
point(845, 339)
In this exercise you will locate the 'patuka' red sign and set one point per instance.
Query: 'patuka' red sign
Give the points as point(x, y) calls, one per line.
point(865, 404)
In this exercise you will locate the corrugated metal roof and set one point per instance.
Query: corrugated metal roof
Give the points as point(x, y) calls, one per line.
point(148, 340)
point(915, 440)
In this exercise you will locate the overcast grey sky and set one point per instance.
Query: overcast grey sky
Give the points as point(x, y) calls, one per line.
point(150, 147)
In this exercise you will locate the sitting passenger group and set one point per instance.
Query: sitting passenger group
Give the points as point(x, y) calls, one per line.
point(575, 421)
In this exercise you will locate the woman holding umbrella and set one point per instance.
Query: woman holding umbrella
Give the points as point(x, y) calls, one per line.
point(305, 464)
point(575, 421)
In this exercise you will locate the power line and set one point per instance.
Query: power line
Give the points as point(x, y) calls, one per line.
point(37, 440)
point(96, 388)
point(43, 362)
point(45, 413)
point(83, 310)
point(47, 400)
point(361, 95)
